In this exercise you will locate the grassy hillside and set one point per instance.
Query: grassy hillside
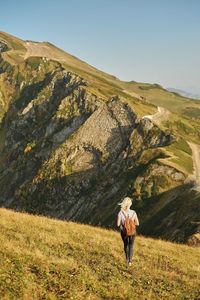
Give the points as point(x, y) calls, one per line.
point(159, 96)
point(103, 84)
point(181, 156)
point(144, 97)
point(47, 259)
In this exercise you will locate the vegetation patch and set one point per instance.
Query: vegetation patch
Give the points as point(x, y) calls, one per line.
point(47, 259)
point(181, 155)
point(192, 112)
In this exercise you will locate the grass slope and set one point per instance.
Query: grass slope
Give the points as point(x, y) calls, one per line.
point(43, 258)
point(159, 96)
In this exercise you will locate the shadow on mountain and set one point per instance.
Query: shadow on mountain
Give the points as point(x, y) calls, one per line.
point(89, 194)
point(172, 215)
point(31, 91)
point(90, 198)
point(30, 128)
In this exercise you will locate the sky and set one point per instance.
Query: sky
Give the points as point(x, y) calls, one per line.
point(155, 41)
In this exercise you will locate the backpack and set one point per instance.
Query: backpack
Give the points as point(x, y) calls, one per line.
point(129, 226)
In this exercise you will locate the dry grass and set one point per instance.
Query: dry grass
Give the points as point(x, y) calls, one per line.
point(43, 258)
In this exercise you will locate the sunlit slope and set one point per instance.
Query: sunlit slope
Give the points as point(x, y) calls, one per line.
point(99, 83)
point(159, 96)
point(47, 259)
point(183, 119)
point(102, 82)
point(152, 93)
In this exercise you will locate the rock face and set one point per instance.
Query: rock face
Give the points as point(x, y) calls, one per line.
point(194, 240)
point(97, 141)
point(68, 154)
point(174, 215)
point(3, 46)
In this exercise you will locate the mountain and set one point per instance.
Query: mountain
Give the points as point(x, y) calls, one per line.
point(42, 258)
point(75, 140)
point(184, 93)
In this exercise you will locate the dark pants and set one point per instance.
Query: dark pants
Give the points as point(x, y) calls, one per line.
point(128, 245)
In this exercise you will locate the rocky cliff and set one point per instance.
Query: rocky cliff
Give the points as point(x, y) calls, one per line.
point(3, 46)
point(67, 152)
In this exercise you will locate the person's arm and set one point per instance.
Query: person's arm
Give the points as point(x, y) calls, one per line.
point(118, 220)
point(136, 220)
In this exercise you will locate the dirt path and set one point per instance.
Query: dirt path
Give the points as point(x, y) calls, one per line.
point(196, 160)
point(161, 114)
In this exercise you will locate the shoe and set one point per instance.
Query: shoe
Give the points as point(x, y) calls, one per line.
point(130, 263)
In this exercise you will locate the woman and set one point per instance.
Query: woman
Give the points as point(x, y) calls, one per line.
point(128, 240)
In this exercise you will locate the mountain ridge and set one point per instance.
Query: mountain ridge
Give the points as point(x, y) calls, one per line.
point(75, 140)
point(184, 93)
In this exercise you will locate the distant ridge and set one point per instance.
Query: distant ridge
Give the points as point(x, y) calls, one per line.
point(184, 93)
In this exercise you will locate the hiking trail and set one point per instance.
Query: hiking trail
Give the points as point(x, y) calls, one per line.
point(164, 113)
point(161, 114)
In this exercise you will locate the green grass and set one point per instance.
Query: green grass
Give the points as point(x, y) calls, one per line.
point(47, 259)
point(192, 112)
point(16, 48)
point(158, 96)
point(183, 127)
point(181, 155)
point(14, 43)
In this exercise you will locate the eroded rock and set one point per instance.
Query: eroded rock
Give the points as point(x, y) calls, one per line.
point(3, 46)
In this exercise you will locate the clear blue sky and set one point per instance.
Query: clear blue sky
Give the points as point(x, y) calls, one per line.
point(144, 40)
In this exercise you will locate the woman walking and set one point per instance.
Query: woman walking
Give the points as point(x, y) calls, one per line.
point(127, 220)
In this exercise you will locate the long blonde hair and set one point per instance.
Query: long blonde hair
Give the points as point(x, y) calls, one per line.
point(126, 203)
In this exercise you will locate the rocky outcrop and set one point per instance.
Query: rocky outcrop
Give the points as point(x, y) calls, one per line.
point(173, 215)
point(156, 179)
point(3, 46)
point(91, 166)
point(64, 142)
point(194, 240)
point(35, 124)
point(4, 65)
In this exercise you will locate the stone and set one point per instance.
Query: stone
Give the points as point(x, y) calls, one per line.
point(194, 240)
point(3, 46)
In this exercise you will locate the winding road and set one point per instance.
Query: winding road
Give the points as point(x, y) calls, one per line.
point(161, 114)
